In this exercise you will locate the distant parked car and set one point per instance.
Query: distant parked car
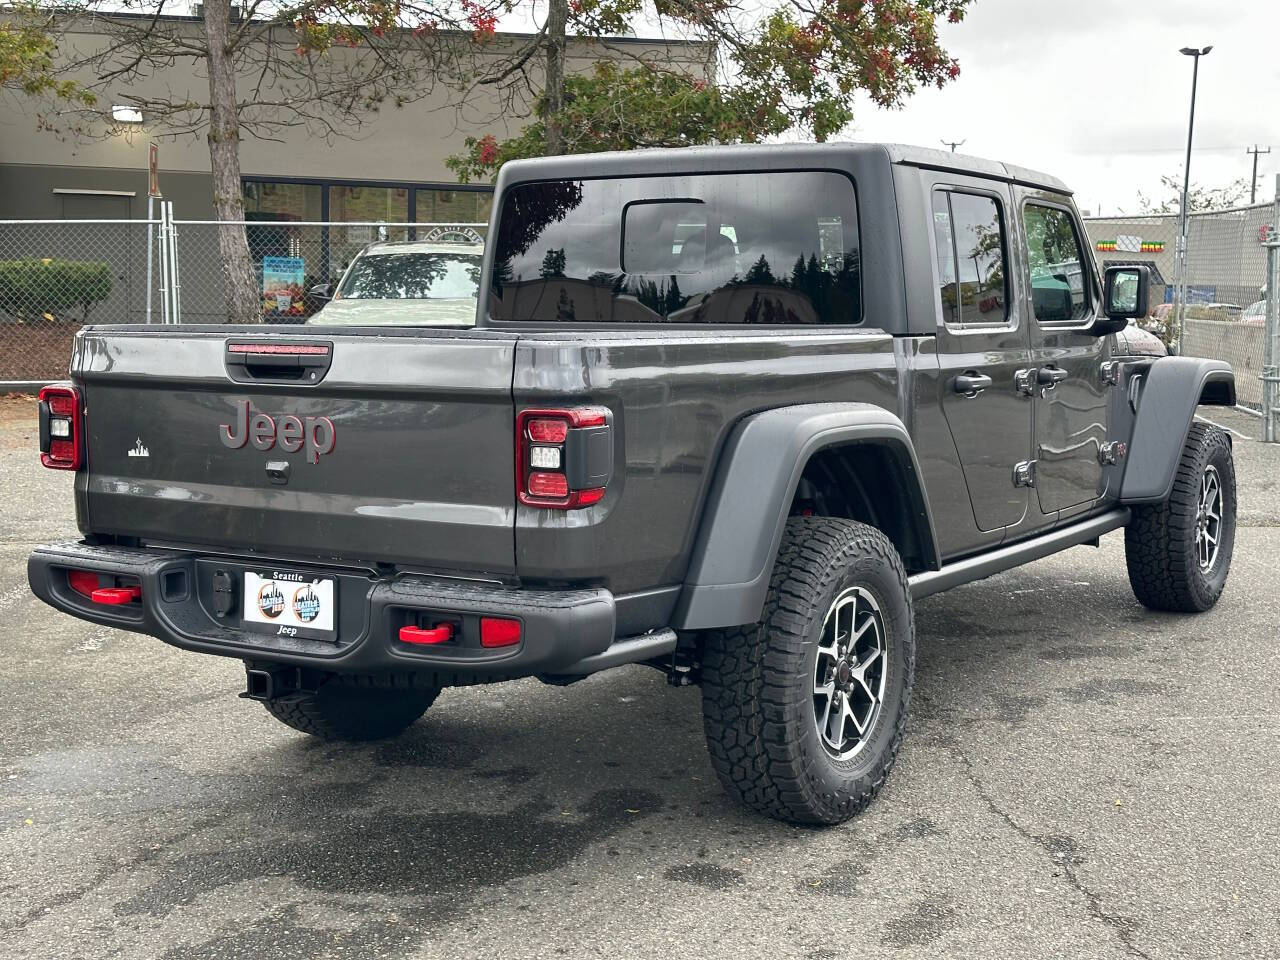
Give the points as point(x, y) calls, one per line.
point(1227, 308)
point(1133, 341)
point(1255, 313)
point(413, 283)
point(1159, 320)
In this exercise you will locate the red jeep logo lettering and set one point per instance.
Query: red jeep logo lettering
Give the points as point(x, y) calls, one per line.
point(314, 434)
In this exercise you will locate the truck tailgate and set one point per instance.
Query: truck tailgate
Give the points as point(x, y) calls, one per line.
point(402, 452)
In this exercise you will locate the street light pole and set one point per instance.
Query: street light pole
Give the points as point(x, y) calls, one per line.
point(1181, 285)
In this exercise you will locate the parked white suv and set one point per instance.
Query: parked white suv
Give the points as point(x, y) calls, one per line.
point(410, 283)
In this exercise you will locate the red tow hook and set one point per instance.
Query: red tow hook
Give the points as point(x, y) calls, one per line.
point(116, 595)
point(421, 635)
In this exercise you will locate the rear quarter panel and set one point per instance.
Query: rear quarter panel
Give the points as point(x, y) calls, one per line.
point(675, 395)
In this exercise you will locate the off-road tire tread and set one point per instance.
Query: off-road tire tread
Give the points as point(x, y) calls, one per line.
point(326, 714)
point(1162, 570)
point(749, 698)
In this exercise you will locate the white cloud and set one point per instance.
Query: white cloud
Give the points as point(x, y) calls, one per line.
point(1096, 93)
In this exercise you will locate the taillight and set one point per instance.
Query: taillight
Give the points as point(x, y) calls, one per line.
point(60, 441)
point(83, 582)
point(499, 632)
point(564, 458)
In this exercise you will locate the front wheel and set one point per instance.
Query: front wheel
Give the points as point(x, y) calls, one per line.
point(1179, 552)
point(804, 710)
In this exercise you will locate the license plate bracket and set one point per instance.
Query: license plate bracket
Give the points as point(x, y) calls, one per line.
point(287, 603)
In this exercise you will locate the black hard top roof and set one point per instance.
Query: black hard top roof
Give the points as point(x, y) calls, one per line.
point(686, 160)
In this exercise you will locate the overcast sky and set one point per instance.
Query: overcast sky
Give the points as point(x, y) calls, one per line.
point(1095, 92)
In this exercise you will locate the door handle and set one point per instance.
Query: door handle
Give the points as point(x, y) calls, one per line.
point(1050, 377)
point(970, 384)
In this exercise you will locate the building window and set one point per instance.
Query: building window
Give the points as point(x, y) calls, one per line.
point(453, 207)
point(283, 201)
point(286, 247)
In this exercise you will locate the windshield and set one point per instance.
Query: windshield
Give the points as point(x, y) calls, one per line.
point(413, 276)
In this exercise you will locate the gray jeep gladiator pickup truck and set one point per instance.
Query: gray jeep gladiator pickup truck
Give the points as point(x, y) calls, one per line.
point(726, 412)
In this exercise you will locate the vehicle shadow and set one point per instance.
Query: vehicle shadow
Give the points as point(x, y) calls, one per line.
point(513, 782)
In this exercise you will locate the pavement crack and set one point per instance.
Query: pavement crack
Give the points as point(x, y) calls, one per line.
point(1123, 927)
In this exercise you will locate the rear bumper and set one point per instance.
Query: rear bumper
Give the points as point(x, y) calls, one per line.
point(560, 628)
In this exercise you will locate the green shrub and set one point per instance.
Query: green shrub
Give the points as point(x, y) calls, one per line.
point(31, 289)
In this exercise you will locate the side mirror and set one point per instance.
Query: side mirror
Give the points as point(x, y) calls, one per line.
point(1125, 293)
point(321, 291)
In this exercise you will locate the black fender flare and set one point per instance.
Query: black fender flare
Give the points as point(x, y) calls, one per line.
point(751, 494)
point(1171, 390)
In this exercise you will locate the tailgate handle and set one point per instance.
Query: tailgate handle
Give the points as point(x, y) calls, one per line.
point(278, 361)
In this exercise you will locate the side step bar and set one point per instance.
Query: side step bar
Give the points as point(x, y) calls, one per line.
point(1014, 555)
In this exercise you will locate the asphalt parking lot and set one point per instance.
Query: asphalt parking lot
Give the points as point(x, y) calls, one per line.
point(1081, 778)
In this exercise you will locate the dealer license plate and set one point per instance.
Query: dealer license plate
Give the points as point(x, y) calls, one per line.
point(290, 604)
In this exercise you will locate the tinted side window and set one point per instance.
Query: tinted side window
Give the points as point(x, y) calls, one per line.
point(776, 248)
point(969, 238)
point(1059, 286)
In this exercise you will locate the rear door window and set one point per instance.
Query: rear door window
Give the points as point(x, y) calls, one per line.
point(969, 240)
point(747, 248)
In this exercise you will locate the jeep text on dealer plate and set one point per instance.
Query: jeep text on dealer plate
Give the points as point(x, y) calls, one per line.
point(763, 399)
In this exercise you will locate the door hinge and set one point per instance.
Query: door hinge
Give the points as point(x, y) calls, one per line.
point(1111, 372)
point(1024, 474)
point(1112, 451)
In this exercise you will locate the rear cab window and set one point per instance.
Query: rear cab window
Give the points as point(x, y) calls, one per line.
point(741, 248)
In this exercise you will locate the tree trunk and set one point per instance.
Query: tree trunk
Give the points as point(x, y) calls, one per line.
point(557, 15)
point(239, 285)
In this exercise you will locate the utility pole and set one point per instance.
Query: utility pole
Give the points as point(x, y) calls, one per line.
point(953, 144)
point(1253, 184)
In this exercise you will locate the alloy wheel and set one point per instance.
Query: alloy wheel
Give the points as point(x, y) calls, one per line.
point(850, 672)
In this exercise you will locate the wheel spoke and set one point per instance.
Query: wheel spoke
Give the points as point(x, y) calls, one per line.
point(871, 694)
point(858, 724)
point(852, 607)
point(866, 664)
point(833, 728)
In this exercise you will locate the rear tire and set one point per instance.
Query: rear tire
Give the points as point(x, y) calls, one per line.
point(342, 710)
point(803, 725)
point(1179, 552)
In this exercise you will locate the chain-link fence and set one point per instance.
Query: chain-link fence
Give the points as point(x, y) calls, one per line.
point(1226, 280)
point(57, 275)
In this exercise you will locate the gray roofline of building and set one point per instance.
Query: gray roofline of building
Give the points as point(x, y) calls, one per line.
point(512, 34)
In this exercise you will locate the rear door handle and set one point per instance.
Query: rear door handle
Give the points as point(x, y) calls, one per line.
point(971, 384)
point(1049, 377)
